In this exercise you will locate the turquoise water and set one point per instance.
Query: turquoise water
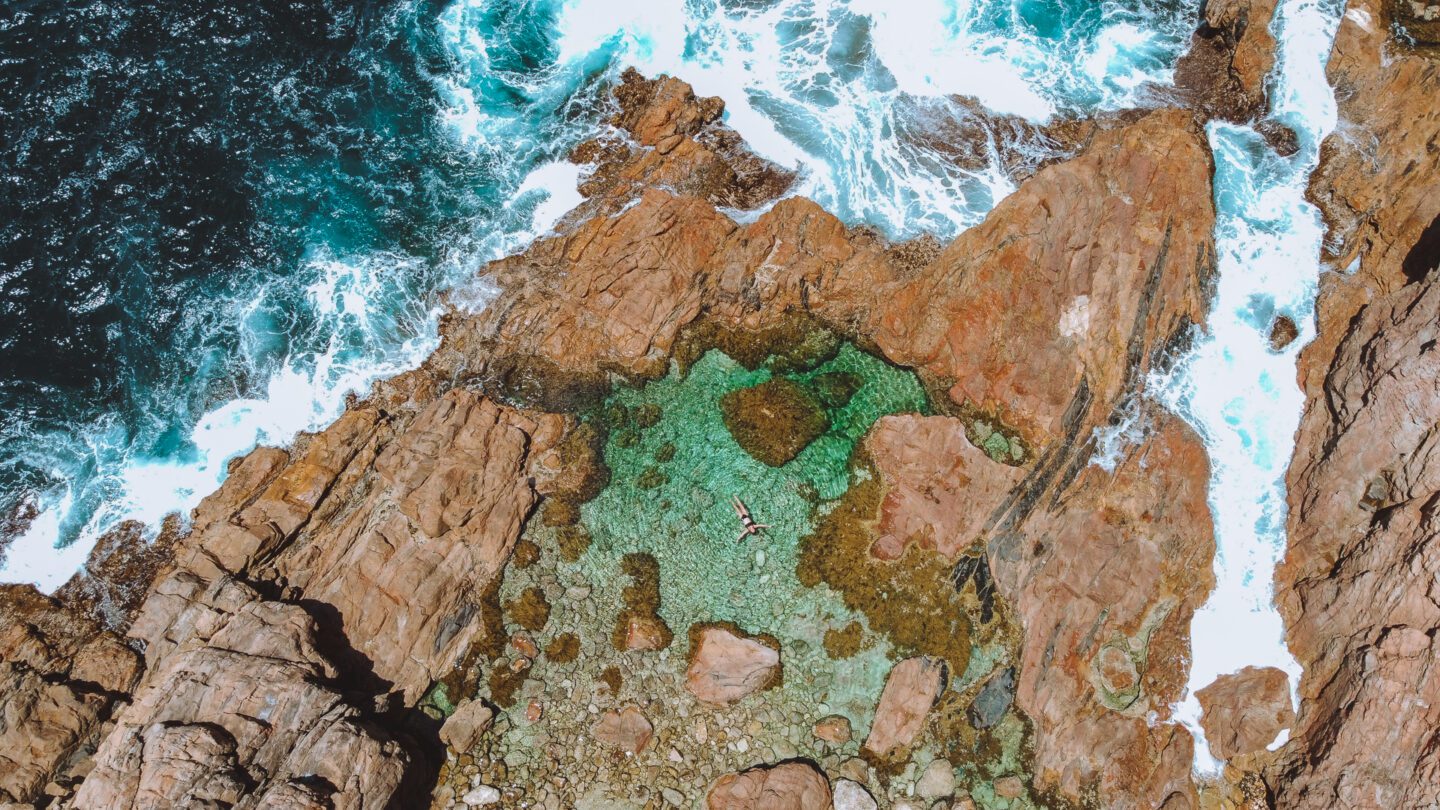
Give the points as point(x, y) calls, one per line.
point(226, 216)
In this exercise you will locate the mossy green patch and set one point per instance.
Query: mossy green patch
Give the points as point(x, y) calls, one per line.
point(684, 520)
point(773, 421)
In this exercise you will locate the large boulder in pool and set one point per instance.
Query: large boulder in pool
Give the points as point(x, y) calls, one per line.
point(773, 421)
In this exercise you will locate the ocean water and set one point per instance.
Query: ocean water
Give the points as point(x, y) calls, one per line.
point(1239, 394)
point(221, 218)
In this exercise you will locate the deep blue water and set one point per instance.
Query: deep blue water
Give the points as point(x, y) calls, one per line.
point(219, 217)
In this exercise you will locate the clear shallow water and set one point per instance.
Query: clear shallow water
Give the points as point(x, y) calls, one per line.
point(1239, 394)
point(222, 217)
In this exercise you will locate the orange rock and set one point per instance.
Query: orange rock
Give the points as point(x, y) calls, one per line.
point(646, 634)
point(1244, 711)
point(525, 645)
point(725, 667)
point(941, 488)
point(788, 786)
point(534, 710)
point(910, 691)
point(834, 729)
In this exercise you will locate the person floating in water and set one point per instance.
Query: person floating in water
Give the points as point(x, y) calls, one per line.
point(751, 527)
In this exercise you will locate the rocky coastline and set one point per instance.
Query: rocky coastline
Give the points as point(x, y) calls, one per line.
point(510, 577)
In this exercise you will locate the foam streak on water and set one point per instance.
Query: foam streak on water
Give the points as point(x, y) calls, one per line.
point(491, 95)
point(1241, 396)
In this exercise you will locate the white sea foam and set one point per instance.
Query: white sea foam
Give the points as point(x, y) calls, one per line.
point(1239, 394)
point(838, 90)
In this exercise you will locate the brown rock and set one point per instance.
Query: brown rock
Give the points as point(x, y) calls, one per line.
point(1357, 581)
point(1009, 787)
point(941, 489)
point(1243, 712)
point(725, 667)
point(1230, 57)
point(773, 421)
point(626, 730)
point(1282, 333)
point(834, 729)
point(788, 786)
point(464, 728)
point(910, 691)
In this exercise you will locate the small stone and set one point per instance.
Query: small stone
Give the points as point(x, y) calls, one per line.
point(675, 756)
point(533, 711)
point(938, 780)
point(526, 647)
point(1009, 787)
point(855, 769)
point(850, 795)
point(994, 700)
point(520, 664)
point(481, 797)
point(834, 729)
point(672, 797)
point(1282, 333)
point(577, 593)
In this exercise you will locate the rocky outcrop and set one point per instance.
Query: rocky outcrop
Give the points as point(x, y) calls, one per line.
point(941, 489)
point(787, 786)
point(1231, 54)
point(1356, 587)
point(1245, 711)
point(339, 580)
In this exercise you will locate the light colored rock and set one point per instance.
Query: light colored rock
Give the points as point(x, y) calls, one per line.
point(852, 796)
point(937, 781)
point(462, 729)
point(910, 691)
point(726, 667)
point(482, 796)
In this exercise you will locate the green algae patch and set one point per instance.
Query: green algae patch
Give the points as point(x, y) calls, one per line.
point(911, 599)
point(773, 421)
point(679, 511)
point(673, 470)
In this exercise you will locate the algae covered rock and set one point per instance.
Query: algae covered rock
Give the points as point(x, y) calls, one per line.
point(773, 421)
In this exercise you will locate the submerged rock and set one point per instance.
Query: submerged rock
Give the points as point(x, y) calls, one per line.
point(725, 667)
point(627, 730)
point(910, 692)
point(773, 421)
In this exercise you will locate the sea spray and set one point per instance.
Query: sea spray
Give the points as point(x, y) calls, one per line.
point(383, 152)
point(1239, 393)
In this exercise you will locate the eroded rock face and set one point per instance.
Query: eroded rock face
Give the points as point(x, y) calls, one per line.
point(787, 786)
point(1230, 58)
point(1245, 711)
point(1357, 582)
point(725, 667)
point(353, 563)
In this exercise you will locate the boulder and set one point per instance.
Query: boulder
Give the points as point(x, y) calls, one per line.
point(626, 730)
point(787, 786)
point(910, 691)
point(469, 722)
point(725, 667)
point(853, 796)
point(1244, 712)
